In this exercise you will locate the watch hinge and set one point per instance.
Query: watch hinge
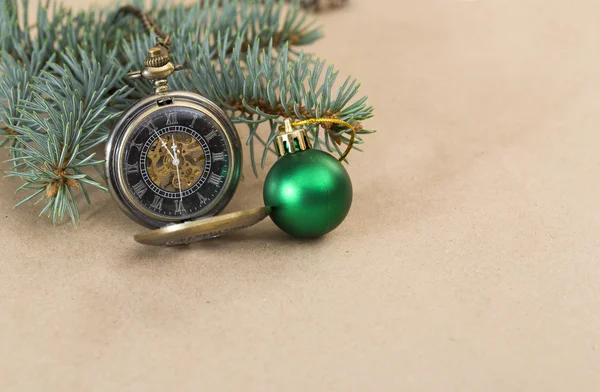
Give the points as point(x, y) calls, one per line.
point(164, 101)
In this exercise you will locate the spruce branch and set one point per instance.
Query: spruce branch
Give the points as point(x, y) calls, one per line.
point(57, 129)
point(257, 85)
point(14, 88)
point(201, 26)
point(62, 83)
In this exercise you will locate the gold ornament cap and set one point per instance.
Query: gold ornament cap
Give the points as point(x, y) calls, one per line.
point(292, 140)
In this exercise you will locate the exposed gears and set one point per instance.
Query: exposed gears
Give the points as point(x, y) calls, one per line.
point(163, 172)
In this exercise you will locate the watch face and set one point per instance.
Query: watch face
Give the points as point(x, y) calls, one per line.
point(175, 163)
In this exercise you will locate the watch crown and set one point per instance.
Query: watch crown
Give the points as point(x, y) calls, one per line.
point(292, 140)
point(156, 58)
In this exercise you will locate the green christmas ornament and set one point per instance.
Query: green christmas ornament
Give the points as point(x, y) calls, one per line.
point(309, 191)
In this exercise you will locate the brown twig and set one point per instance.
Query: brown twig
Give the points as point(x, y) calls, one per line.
point(52, 187)
point(280, 111)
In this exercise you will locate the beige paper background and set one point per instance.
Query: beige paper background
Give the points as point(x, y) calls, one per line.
point(469, 262)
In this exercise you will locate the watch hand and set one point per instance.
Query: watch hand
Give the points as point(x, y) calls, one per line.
point(162, 142)
point(174, 155)
point(176, 163)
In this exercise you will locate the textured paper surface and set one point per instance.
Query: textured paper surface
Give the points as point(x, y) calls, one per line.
point(469, 262)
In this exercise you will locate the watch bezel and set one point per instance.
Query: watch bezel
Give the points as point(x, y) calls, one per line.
point(115, 148)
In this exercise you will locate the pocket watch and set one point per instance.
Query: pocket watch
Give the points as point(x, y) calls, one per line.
point(174, 156)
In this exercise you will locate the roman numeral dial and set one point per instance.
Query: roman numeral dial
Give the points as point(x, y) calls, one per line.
point(132, 168)
point(178, 164)
point(140, 189)
point(179, 207)
point(212, 134)
point(157, 202)
point(214, 179)
point(171, 118)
